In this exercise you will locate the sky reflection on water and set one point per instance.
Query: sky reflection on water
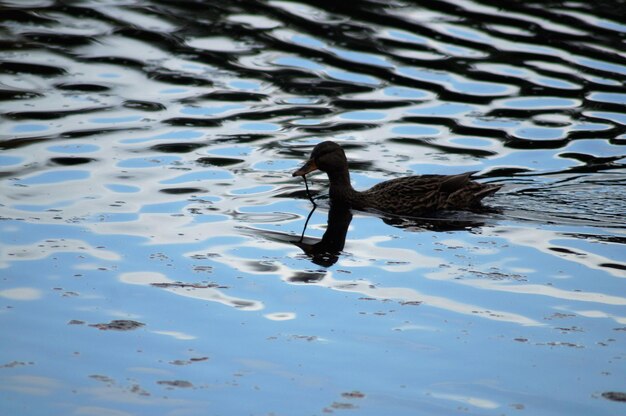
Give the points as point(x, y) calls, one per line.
point(153, 249)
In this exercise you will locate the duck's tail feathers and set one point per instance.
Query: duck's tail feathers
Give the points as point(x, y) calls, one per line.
point(455, 182)
point(486, 191)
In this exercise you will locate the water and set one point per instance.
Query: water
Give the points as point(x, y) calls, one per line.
point(150, 251)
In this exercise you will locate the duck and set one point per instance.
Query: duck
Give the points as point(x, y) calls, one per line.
point(404, 196)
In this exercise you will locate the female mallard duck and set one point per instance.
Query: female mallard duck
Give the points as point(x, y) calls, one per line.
point(413, 195)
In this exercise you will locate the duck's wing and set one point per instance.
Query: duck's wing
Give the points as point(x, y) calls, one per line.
point(416, 194)
point(406, 195)
point(423, 184)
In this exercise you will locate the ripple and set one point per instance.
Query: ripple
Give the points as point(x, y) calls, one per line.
point(10, 160)
point(219, 44)
point(198, 176)
point(120, 188)
point(614, 98)
point(145, 174)
point(459, 84)
point(58, 176)
point(147, 162)
point(259, 126)
point(539, 103)
point(256, 22)
point(29, 128)
point(74, 148)
point(416, 130)
point(196, 292)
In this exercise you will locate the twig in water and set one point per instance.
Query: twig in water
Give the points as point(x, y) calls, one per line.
point(306, 185)
point(307, 221)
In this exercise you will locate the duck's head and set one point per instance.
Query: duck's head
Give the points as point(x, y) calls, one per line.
point(326, 156)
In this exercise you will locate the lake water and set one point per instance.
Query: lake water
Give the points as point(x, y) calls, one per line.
point(153, 251)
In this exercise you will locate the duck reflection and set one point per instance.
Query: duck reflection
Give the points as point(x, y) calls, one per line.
point(327, 251)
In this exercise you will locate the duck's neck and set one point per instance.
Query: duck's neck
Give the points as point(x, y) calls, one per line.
point(341, 190)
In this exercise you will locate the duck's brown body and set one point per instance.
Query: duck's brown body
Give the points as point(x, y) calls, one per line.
point(409, 196)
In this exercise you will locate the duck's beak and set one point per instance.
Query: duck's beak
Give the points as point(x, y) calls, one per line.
point(309, 166)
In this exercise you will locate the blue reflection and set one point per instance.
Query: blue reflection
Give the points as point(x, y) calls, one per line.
point(601, 65)
point(208, 218)
point(405, 92)
point(588, 126)
point(619, 118)
point(556, 83)
point(361, 57)
point(180, 134)
point(350, 328)
point(74, 148)
point(507, 70)
point(252, 190)
point(23, 232)
point(362, 181)
point(443, 109)
point(114, 217)
point(115, 120)
point(544, 103)
point(173, 90)
point(307, 122)
point(460, 51)
point(233, 151)
point(55, 177)
point(164, 208)
point(29, 128)
point(608, 97)
point(481, 88)
point(300, 100)
point(297, 62)
point(174, 134)
point(213, 110)
point(245, 85)
point(611, 25)
point(527, 74)
point(259, 126)
point(416, 130)
point(204, 175)
point(409, 37)
point(495, 123)
point(469, 34)
point(540, 133)
point(276, 165)
point(122, 188)
point(363, 115)
point(352, 77)
point(594, 147)
point(473, 141)
point(548, 160)
point(10, 160)
point(147, 162)
point(308, 41)
point(457, 84)
point(43, 207)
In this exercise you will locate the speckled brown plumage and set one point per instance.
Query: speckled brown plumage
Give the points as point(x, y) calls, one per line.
point(409, 196)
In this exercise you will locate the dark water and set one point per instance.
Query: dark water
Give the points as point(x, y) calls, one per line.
point(150, 251)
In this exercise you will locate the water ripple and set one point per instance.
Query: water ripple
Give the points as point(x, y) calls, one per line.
point(146, 151)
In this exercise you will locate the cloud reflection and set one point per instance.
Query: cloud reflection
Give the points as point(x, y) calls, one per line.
point(21, 293)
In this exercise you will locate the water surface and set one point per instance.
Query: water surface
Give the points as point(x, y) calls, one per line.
point(151, 258)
